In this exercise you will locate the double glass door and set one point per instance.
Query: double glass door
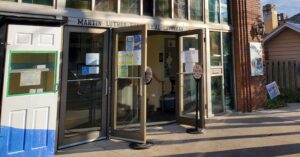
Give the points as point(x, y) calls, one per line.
point(84, 89)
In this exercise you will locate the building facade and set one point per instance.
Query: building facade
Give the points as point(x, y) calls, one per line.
point(74, 71)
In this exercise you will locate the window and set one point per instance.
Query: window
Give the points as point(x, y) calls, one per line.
point(224, 11)
point(106, 5)
point(130, 6)
point(219, 11)
point(163, 8)
point(216, 94)
point(148, 7)
point(214, 13)
point(196, 10)
point(215, 49)
point(180, 10)
point(43, 2)
point(31, 73)
point(79, 4)
point(10, 0)
point(228, 70)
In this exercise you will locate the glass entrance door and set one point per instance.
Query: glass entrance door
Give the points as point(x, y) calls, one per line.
point(129, 89)
point(84, 86)
point(190, 53)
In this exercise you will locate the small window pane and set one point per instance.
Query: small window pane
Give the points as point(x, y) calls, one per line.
point(163, 8)
point(228, 71)
point(79, 4)
point(148, 7)
point(31, 73)
point(43, 2)
point(10, 0)
point(180, 9)
point(196, 10)
point(224, 11)
point(130, 6)
point(215, 49)
point(214, 13)
point(216, 94)
point(106, 5)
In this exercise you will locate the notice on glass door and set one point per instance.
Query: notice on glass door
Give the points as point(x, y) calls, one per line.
point(30, 78)
point(190, 56)
point(92, 59)
point(122, 71)
point(130, 57)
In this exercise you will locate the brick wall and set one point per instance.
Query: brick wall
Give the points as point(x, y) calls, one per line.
point(251, 93)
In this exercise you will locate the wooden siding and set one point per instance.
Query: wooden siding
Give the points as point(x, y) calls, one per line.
point(285, 46)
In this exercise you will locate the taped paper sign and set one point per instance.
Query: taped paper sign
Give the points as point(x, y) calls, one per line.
point(92, 59)
point(89, 70)
point(273, 90)
point(30, 78)
point(123, 71)
point(130, 57)
point(133, 42)
point(190, 56)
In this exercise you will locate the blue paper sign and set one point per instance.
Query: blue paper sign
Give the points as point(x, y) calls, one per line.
point(85, 70)
point(273, 90)
point(137, 42)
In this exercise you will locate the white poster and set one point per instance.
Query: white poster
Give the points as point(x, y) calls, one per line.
point(93, 70)
point(256, 56)
point(189, 67)
point(30, 78)
point(273, 90)
point(92, 59)
point(191, 56)
point(130, 57)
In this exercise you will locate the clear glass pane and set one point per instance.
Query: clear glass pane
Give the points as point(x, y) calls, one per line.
point(190, 45)
point(84, 87)
point(106, 5)
point(214, 11)
point(224, 11)
point(79, 4)
point(31, 73)
point(216, 94)
point(148, 7)
point(228, 71)
point(130, 6)
point(163, 8)
point(10, 0)
point(129, 81)
point(180, 10)
point(215, 49)
point(43, 2)
point(196, 10)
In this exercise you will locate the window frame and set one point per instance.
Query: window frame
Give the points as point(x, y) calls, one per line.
point(219, 20)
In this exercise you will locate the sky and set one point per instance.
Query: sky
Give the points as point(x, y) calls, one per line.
point(289, 7)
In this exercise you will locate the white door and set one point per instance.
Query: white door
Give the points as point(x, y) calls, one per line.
point(30, 98)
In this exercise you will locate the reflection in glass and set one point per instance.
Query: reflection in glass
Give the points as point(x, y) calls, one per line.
point(79, 4)
point(84, 87)
point(163, 8)
point(216, 94)
point(196, 9)
point(10, 0)
point(32, 73)
point(43, 2)
point(214, 12)
point(189, 90)
point(228, 71)
point(180, 9)
point(1, 62)
point(148, 7)
point(224, 11)
point(130, 6)
point(106, 5)
point(215, 49)
point(129, 82)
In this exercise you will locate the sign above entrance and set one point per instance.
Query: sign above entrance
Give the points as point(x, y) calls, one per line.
point(116, 24)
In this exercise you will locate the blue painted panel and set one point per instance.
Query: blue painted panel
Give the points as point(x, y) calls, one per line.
point(16, 141)
point(37, 143)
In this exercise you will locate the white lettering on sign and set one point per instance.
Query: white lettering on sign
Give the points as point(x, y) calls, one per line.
point(116, 24)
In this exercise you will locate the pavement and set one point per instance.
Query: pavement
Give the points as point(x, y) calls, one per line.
point(263, 133)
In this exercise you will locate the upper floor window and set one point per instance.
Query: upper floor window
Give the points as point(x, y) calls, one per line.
point(163, 8)
point(196, 10)
point(43, 2)
point(180, 10)
point(106, 5)
point(130, 6)
point(219, 11)
point(148, 7)
point(79, 4)
point(215, 49)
